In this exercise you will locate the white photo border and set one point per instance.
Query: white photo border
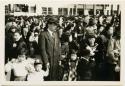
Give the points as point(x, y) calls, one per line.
point(53, 83)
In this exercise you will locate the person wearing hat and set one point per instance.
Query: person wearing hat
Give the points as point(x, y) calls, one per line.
point(49, 45)
point(92, 27)
point(38, 73)
point(11, 22)
point(85, 66)
point(78, 29)
point(89, 43)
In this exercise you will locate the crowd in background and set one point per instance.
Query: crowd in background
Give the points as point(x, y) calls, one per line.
point(90, 48)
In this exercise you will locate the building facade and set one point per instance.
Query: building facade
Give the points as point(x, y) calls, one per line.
point(59, 9)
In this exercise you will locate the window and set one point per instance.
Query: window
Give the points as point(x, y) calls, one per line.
point(23, 8)
point(70, 11)
point(44, 10)
point(50, 11)
point(65, 11)
point(74, 11)
point(91, 12)
point(6, 9)
point(47, 11)
point(33, 9)
point(60, 11)
point(18, 8)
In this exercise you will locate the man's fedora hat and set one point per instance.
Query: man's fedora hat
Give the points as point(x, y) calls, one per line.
point(53, 20)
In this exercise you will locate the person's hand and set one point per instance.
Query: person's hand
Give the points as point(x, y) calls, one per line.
point(116, 59)
point(48, 65)
point(14, 44)
point(116, 51)
point(60, 63)
point(63, 56)
point(95, 46)
point(117, 68)
point(92, 53)
point(93, 59)
point(88, 47)
point(31, 38)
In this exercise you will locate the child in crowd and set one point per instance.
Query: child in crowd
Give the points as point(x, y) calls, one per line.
point(38, 74)
point(85, 66)
point(73, 62)
point(20, 67)
point(71, 66)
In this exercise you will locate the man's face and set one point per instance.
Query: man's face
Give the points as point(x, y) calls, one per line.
point(52, 27)
point(17, 36)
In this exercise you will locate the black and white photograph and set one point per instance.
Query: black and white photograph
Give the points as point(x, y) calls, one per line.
point(62, 42)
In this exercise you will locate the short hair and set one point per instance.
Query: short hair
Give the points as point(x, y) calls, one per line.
point(22, 51)
point(91, 22)
point(37, 62)
point(108, 27)
point(13, 27)
point(18, 31)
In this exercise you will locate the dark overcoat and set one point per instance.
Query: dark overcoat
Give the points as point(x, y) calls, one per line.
point(50, 53)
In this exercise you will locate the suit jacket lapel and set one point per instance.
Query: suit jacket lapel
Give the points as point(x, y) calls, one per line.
point(50, 38)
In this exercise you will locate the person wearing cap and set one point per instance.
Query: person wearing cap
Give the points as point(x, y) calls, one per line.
point(49, 45)
point(37, 74)
point(11, 22)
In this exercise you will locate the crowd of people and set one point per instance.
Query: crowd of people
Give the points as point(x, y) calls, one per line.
point(62, 48)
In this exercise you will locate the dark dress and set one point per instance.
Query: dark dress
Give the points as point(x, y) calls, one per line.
point(19, 45)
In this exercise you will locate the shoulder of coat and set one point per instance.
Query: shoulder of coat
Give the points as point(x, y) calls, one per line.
point(43, 33)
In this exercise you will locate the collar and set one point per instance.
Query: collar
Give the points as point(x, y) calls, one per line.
point(85, 59)
point(50, 32)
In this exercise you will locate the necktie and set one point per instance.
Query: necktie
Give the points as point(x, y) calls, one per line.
point(54, 38)
point(53, 34)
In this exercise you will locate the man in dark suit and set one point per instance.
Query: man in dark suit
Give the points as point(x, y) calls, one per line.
point(49, 45)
